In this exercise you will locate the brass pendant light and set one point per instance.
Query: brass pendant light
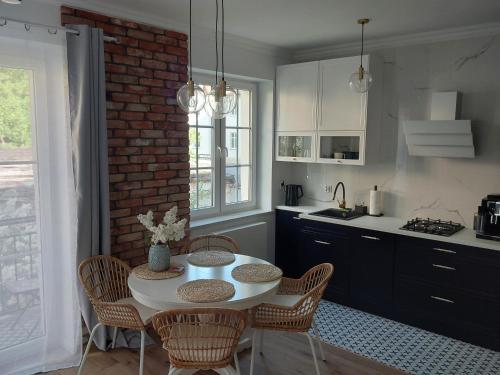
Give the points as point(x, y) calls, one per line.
point(361, 80)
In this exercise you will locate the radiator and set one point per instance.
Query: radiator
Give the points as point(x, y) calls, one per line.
point(252, 238)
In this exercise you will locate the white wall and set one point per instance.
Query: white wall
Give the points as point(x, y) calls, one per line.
point(427, 187)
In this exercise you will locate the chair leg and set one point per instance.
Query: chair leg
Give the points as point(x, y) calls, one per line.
point(261, 342)
point(311, 343)
point(89, 344)
point(115, 332)
point(252, 356)
point(318, 338)
point(141, 360)
point(237, 363)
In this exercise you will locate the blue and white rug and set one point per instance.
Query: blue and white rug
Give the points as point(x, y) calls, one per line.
point(407, 348)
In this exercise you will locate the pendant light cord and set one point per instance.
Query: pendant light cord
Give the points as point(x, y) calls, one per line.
point(362, 41)
point(190, 41)
point(216, 42)
point(222, 52)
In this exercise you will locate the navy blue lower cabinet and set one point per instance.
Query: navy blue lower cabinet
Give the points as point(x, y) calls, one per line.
point(287, 242)
point(372, 263)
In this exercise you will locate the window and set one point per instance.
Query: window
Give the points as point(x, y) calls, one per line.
point(222, 157)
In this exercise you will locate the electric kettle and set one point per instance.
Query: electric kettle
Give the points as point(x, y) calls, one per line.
point(292, 194)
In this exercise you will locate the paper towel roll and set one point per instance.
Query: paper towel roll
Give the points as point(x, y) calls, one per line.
point(375, 207)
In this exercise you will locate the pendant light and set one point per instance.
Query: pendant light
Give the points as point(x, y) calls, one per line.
point(222, 98)
point(361, 80)
point(190, 97)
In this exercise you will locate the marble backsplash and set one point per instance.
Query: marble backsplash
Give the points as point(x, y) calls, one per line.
point(443, 188)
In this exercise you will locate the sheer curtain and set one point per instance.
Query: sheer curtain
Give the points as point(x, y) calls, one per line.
point(38, 293)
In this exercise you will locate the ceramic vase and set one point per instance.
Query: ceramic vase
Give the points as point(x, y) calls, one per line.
point(159, 257)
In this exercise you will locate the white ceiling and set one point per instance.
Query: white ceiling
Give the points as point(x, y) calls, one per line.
point(310, 23)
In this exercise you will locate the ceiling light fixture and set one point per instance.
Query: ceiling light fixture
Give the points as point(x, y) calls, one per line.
point(190, 97)
point(222, 98)
point(361, 80)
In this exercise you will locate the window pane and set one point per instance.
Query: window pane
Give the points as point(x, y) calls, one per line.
point(193, 191)
point(15, 115)
point(232, 118)
point(244, 111)
point(204, 118)
point(193, 144)
point(244, 146)
point(231, 185)
point(232, 146)
point(205, 188)
point(245, 184)
point(205, 144)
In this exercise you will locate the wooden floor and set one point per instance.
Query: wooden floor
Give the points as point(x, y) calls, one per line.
point(284, 354)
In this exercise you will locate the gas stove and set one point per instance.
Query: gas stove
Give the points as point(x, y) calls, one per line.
point(437, 227)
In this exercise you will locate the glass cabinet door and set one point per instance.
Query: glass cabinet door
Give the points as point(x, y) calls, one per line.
point(295, 146)
point(341, 147)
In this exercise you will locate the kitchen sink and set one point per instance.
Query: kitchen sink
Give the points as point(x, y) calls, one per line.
point(337, 213)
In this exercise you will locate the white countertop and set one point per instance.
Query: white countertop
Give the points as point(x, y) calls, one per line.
point(392, 224)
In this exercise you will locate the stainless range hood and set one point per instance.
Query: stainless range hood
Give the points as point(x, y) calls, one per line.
point(442, 135)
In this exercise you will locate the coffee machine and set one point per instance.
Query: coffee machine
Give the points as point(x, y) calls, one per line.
point(487, 223)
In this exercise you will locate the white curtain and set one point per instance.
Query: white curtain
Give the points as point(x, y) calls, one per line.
point(55, 341)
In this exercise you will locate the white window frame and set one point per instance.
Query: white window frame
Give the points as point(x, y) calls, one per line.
point(220, 207)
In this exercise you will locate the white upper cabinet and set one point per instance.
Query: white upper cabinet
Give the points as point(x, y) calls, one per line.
point(339, 107)
point(297, 97)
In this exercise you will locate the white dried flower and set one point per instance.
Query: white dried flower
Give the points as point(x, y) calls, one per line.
point(169, 230)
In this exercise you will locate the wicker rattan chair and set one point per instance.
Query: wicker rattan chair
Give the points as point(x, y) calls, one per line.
point(105, 281)
point(200, 339)
point(293, 308)
point(211, 242)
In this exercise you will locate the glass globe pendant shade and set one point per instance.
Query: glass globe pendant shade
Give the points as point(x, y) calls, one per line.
point(191, 98)
point(222, 100)
point(360, 81)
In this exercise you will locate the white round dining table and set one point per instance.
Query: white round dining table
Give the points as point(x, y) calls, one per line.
point(162, 294)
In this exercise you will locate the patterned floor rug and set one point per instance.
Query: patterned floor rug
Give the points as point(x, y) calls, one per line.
point(407, 348)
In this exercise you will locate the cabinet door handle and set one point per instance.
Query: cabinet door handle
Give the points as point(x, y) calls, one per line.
point(444, 250)
point(444, 267)
point(371, 238)
point(442, 299)
point(322, 242)
point(296, 218)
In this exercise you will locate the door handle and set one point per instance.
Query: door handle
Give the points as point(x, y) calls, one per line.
point(441, 299)
point(444, 267)
point(322, 242)
point(371, 238)
point(444, 250)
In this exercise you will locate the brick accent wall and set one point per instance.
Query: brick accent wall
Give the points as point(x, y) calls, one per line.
point(147, 132)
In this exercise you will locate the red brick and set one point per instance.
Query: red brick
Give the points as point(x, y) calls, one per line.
point(128, 133)
point(162, 108)
point(114, 87)
point(175, 34)
point(132, 116)
point(143, 159)
point(129, 237)
point(153, 64)
point(169, 190)
point(167, 40)
point(140, 141)
point(151, 46)
point(177, 134)
point(116, 142)
point(153, 99)
point(125, 97)
point(117, 160)
point(122, 78)
point(140, 176)
point(177, 68)
point(164, 92)
point(178, 181)
point(177, 118)
point(183, 44)
point(166, 158)
point(111, 115)
point(155, 200)
point(165, 174)
point(112, 29)
point(182, 60)
point(116, 178)
point(141, 125)
point(120, 213)
point(166, 75)
point(142, 35)
point(127, 150)
point(128, 60)
point(137, 107)
point(152, 134)
point(151, 29)
point(126, 203)
point(91, 15)
point(139, 53)
point(67, 10)
point(130, 42)
point(136, 89)
point(140, 72)
point(178, 197)
point(156, 116)
point(151, 82)
point(128, 168)
point(116, 124)
point(127, 220)
point(132, 185)
point(156, 167)
point(144, 193)
point(176, 51)
point(118, 195)
point(178, 166)
point(72, 20)
point(178, 150)
point(113, 68)
point(114, 48)
point(165, 57)
point(154, 183)
point(173, 85)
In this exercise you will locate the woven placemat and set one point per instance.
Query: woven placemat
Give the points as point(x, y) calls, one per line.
point(256, 273)
point(209, 258)
point(143, 272)
point(205, 290)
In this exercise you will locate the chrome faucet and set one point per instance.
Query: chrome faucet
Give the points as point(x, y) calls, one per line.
point(341, 204)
